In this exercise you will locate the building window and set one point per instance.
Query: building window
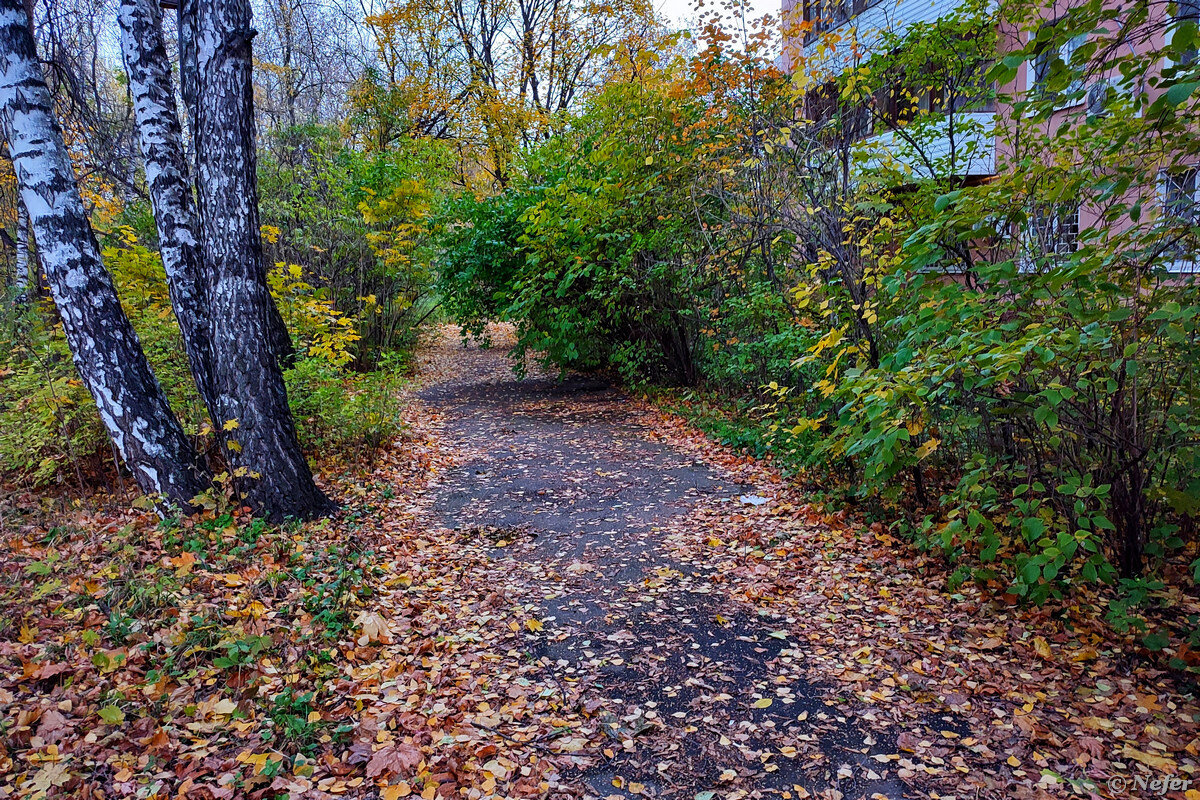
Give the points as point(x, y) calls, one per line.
point(1179, 195)
point(1187, 11)
point(825, 15)
point(1054, 230)
point(1181, 209)
point(1053, 58)
point(976, 94)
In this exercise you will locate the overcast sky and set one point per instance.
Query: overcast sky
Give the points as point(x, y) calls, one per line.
point(683, 12)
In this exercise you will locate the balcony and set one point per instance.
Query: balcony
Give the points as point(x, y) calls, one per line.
point(842, 31)
point(966, 150)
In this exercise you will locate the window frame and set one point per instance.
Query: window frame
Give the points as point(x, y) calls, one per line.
point(1181, 262)
point(1064, 51)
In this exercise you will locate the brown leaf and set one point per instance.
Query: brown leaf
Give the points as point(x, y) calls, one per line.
point(53, 726)
point(396, 759)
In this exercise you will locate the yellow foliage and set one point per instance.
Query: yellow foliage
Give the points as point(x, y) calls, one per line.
point(323, 331)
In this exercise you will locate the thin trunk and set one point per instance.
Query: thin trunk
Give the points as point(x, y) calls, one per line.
point(187, 72)
point(161, 141)
point(105, 349)
point(21, 279)
point(268, 467)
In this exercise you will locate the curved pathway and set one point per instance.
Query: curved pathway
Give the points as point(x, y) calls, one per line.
point(698, 696)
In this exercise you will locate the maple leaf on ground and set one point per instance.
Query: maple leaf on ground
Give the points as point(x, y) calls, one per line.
point(396, 759)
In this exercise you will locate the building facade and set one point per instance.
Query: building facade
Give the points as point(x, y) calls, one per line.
point(975, 139)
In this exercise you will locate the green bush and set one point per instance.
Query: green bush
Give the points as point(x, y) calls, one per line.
point(50, 431)
point(346, 413)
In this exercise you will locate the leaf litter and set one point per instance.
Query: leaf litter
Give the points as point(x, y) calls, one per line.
point(548, 589)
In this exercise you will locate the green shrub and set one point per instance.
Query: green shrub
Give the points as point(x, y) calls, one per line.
point(50, 431)
point(339, 412)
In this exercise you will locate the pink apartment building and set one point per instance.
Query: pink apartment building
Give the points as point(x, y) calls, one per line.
point(835, 35)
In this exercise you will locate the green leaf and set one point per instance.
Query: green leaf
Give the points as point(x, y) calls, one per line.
point(1181, 92)
point(1156, 641)
point(112, 715)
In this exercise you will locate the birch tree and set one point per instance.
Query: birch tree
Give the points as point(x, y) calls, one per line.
point(161, 141)
point(105, 349)
point(269, 469)
point(21, 271)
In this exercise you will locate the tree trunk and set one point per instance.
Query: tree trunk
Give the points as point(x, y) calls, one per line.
point(161, 140)
point(187, 71)
point(189, 90)
point(269, 469)
point(106, 351)
point(21, 278)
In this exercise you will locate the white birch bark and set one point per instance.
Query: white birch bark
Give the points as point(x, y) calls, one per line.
point(105, 349)
point(161, 139)
point(21, 278)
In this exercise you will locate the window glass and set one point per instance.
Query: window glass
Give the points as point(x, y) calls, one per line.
point(1044, 64)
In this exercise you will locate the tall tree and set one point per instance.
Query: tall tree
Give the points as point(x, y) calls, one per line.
point(269, 468)
point(106, 351)
point(161, 140)
point(189, 85)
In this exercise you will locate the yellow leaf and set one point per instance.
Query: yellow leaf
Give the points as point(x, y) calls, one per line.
point(1086, 654)
point(1013, 761)
point(1042, 648)
point(763, 703)
point(534, 624)
point(229, 424)
point(927, 448)
point(396, 792)
point(649, 160)
point(1149, 759)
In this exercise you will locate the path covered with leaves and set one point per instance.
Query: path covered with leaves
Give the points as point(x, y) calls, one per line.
point(572, 491)
point(551, 589)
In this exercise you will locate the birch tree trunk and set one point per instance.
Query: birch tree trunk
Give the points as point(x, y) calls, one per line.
point(269, 470)
point(189, 90)
point(161, 140)
point(21, 278)
point(186, 24)
point(105, 349)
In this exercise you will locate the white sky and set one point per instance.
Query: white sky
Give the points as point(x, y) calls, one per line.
point(683, 12)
